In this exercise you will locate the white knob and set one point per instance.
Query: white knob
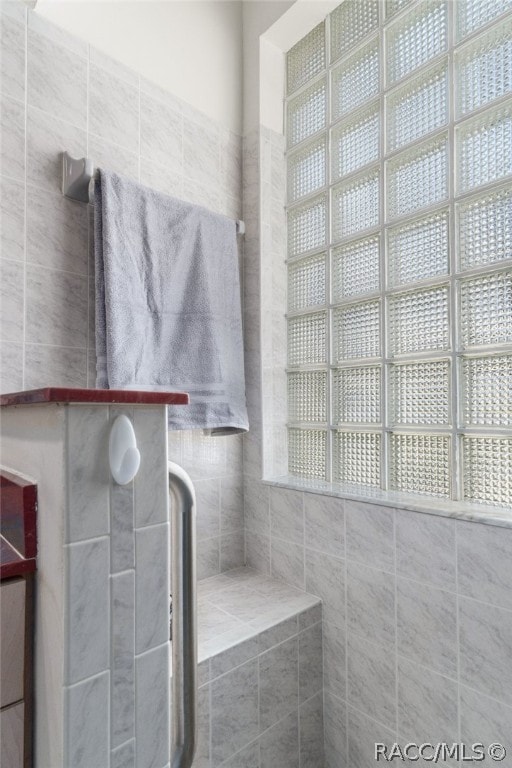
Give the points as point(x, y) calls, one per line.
point(123, 454)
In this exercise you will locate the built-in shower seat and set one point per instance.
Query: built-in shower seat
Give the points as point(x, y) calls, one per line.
point(260, 669)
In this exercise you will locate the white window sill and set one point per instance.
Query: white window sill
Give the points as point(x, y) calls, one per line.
point(476, 513)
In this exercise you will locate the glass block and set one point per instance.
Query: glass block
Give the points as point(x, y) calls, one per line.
point(418, 107)
point(418, 321)
point(418, 178)
point(484, 69)
point(357, 331)
point(306, 283)
point(418, 250)
point(306, 113)
point(356, 395)
point(355, 268)
point(487, 391)
point(350, 23)
point(355, 80)
point(355, 205)
point(485, 229)
point(306, 59)
point(306, 452)
point(306, 339)
point(419, 393)
point(484, 149)
point(486, 309)
point(356, 459)
point(488, 469)
point(473, 14)
point(306, 227)
point(416, 38)
point(306, 170)
point(307, 393)
point(395, 6)
point(420, 464)
point(355, 143)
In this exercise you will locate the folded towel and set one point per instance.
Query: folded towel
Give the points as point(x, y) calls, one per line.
point(168, 313)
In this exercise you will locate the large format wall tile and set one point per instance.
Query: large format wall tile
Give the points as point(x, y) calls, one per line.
point(12, 220)
point(47, 138)
point(122, 658)
point(87, 737)
point(88, 473)
point(425, 548)
point(334, 659)
point(87, 609)
point(113, 109)
point(311, 733)
point(371, 603)
point(12, 137)
point(151, 587)
point(234, 711)
point(486, 648)
point(56, 307)
point(287, 515)
point(325, 524)
point(427, 705)
point(280, 744)
point(11, 300)
point(57, 232)
point(370, 537)
point(371, 680)
point(152, 713)
point(325, 577)
point(484, 559)
point(57, 80)
point(11, 366)
point(427, 621)
point(12, 63)
point(278, 680)
point(485, 720)
point(310, 662)
point(54, 366)
point(335, 731)
point(161, 134)
point(287, 562)
point(363, 734)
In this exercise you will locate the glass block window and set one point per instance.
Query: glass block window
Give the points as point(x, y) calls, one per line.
point(399, 216)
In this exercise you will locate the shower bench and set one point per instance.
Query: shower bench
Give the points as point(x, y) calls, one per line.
point(260, 672)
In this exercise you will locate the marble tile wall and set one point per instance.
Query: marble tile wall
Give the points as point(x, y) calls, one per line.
point(116, 599)
point(60, 93)
point(417, 618)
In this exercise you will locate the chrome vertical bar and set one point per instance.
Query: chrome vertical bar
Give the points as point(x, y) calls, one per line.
point(184, 611)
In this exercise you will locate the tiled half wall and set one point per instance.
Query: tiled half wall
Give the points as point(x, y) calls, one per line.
point(102, 597)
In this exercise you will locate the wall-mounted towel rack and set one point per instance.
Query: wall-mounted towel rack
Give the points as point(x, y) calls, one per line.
point(77, 174)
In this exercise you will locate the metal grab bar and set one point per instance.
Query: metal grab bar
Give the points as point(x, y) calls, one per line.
point(184, 611)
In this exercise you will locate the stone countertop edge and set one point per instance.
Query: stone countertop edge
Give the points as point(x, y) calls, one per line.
point(68, 396)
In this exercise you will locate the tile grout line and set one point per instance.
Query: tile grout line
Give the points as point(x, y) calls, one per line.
point(457, 635)
point(395, 558)
point(345, 571)
point(25, 203)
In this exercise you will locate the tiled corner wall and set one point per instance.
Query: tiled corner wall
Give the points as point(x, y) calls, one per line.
point(417, 620)
point(102, 598)
point(417, 608)
point(59, 93)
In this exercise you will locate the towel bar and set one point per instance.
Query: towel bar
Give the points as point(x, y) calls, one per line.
point(77, 174)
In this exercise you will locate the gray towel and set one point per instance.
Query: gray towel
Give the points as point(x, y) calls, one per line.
point(168, 311)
